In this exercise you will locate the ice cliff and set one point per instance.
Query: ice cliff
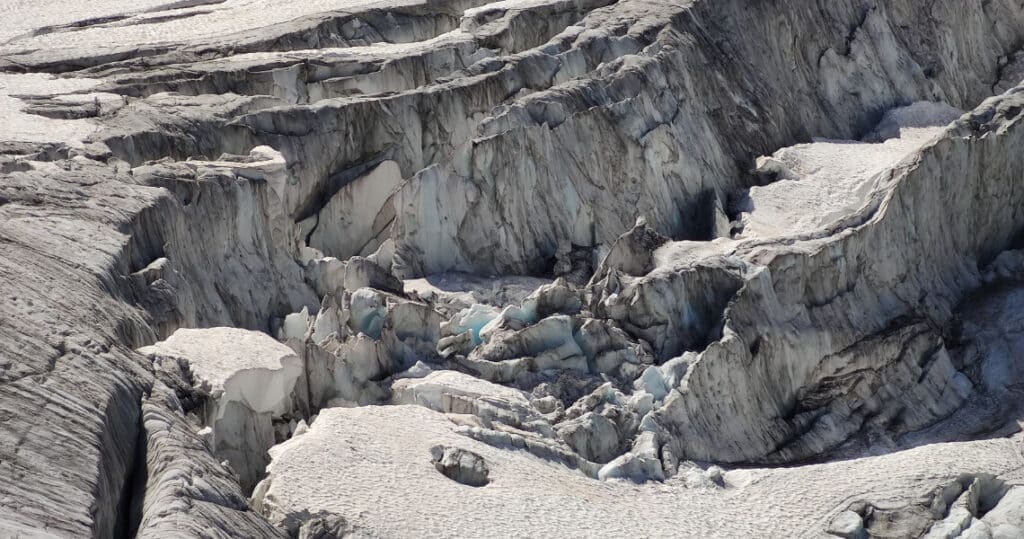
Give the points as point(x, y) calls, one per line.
point(560, 268)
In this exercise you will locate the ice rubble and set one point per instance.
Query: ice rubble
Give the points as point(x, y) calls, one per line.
point(140, 195)
point(377, 340)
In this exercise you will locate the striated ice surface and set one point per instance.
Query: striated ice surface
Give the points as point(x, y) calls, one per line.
point(525, 268)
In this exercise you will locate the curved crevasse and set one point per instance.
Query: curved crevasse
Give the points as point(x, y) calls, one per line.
point(668, 135)
point(492, 149)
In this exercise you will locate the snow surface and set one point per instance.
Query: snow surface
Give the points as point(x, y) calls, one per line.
point(823, 182)
point(192, 24)
point(23, 16)
point(818, 184)
point(373, 466)
point(24, 127)
point(236, 365)
point(430, 390)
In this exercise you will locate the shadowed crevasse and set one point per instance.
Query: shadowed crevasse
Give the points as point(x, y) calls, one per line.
point(320, 178)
